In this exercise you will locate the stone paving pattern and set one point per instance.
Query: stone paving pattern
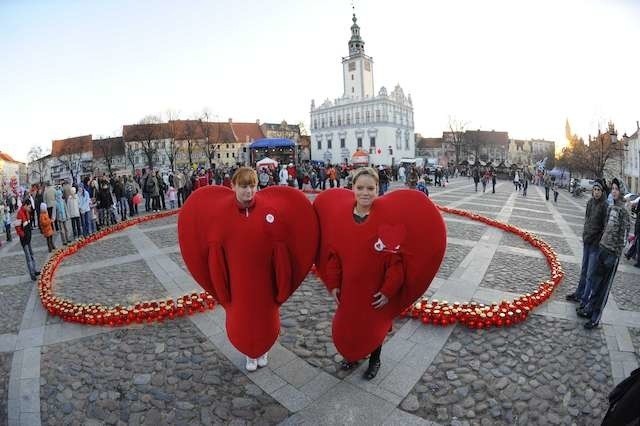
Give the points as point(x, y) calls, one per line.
point(521, 375)
point(121, 284)
point(105, 248)
point(13, 299)
point(183, 372)
point(5, 368)
point(159, 374)
point(452, 258)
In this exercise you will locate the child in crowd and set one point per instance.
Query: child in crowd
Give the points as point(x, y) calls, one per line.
point(94, 213)
point(173, 198)
point(46, 226)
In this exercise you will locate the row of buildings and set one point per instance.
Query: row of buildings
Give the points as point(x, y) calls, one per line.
point(482, 146)
point(172, 145)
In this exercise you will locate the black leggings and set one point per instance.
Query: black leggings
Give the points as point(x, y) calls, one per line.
point(375, 355)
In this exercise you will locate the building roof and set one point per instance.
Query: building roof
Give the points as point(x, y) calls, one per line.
point(484, 137)
point(180, 130)
point(76, 145)
point(423, 143)
point(246, 132)
point(6, 157)
point(280, 126)
point(112, 146)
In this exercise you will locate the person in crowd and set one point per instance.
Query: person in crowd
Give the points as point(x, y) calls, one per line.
point(73, 208)
point(162, 189)
point(402, 173)
point(635, 205)
point(516, 181)
point(486, 176)
point(84, 208)
point(263, 178)
point(121, 198)
point(61, 216)
point(46, 226)
point(38, 198)
point(412, 177)
point(6, 219)
point(146, 185)
point(179, 181)
point(524, 183)
point(384, 180)
point(611, 245)
point(49, 197)
point(476, 176)
point(594, 222)
point(104, 201)
point(172, 193)
point(23, 229)
point(493, 180)
point(547, 185)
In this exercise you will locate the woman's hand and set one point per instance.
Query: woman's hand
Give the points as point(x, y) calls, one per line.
point(379, 300)
point(336, 295)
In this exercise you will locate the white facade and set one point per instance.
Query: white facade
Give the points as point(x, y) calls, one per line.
point(632, 162)
point(381, 125)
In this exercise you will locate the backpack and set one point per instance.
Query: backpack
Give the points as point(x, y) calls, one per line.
point(150, 184)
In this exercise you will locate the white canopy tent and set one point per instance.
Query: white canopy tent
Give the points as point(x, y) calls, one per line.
point(267, 162)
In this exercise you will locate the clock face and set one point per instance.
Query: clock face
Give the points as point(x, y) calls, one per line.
point(352, 66)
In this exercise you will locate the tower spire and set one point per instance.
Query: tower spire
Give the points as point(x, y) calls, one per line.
point(356, 44)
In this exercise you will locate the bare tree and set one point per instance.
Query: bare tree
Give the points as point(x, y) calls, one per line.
point(36, 158)
point(131, 153)
point(70, 158)
point(148, 131)
point(171, 146)
point(210, 137)
point(457, 129)
point(106, 147)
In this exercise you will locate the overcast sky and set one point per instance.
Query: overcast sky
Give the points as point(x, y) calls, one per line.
point(71, 68)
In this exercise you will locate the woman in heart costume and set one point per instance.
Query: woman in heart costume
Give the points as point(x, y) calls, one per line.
point(250, 250)
point(377, 255)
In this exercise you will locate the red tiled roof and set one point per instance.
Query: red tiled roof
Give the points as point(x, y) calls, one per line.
point(139, 132)
point(6, 157)
point(247, 132)
point(423, 143)
point(115, 147)
point(180, 130)
point(75, 145)
point(486, 138)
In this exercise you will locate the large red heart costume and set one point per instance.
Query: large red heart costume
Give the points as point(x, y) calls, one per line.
point(251, 260)
point(397, 251)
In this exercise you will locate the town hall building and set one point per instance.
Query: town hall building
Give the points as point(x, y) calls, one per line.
point(379, 125)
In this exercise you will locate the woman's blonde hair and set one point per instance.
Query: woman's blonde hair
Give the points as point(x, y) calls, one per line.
point(244, 176)
point(365, 171)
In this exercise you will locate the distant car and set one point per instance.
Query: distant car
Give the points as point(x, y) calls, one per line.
point(587, 184)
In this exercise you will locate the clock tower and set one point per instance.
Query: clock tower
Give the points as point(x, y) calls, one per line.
point(357, 67)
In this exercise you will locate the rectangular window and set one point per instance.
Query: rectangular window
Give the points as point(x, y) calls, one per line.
point(348, 119)
point(339, 121)
point(377, 115)
point(227, 155)
point(372, 141)
point(357, 117)
point(218, 155)
point(330, 121)
point(342, 143)
point(319, 144)
point(328, 143)
point(359, 142)
point(367, 116)
point(315, 123)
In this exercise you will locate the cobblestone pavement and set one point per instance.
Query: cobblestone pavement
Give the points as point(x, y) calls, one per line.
point(522, 375)
point(547, 370)
point(159, 374)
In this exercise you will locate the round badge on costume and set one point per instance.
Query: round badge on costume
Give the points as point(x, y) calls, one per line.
point(270, 218)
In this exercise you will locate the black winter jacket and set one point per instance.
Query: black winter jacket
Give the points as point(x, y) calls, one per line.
point(595, 219)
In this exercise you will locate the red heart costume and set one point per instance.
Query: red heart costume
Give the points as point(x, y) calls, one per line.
point(250, 259)
point(397, 251)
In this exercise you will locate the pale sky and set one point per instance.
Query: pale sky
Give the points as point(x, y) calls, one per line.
point(71, 68)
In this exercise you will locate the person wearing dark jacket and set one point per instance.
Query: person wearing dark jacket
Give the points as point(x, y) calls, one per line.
point(23, 229)
point(611, 246)
point(594, 221)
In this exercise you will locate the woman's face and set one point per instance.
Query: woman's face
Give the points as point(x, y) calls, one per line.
point(366, 190)
point(615, 192)
point(245, 193)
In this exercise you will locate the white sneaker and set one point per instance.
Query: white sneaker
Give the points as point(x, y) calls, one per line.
point(263, 361)
point(252, 364)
